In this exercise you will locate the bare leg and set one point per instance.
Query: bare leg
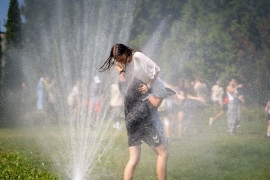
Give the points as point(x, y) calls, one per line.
point(167, 127)
point(218, 115)
point(268, 127)
point(162, 158)
point(180, 123)
point(211, 120)
point(134, 158)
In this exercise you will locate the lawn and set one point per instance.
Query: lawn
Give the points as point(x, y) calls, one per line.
point(211, 154)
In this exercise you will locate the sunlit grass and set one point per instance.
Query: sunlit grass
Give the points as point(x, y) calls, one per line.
point(211, 154)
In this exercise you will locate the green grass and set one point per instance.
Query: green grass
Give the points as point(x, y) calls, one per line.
point(212, 154)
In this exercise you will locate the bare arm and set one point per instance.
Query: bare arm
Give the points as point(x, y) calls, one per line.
point(121, 72)
point(144, 87)
point(231, 89)
point(155, 101)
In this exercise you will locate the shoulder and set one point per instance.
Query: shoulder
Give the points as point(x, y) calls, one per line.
point(139, 55)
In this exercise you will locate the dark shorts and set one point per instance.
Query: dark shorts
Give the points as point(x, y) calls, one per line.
point(149, 135)
point(268, 116)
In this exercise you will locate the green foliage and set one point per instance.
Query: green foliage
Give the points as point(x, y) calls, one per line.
point(1, 75)
point(219, 39)
point(13, 26)
point(212, 39)
point(20, 158)
point(12, 71)
point(15, 166)
point(250, 29)
point(13, 44)
point(199, 43)
point(149, 14)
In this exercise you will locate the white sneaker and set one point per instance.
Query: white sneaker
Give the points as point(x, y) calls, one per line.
point(211, 120)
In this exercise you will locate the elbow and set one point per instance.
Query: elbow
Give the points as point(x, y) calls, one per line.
point(155, 101)
point(156, 105)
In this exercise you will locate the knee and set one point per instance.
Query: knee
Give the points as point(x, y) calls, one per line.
point(134, 161)
point(164, 154)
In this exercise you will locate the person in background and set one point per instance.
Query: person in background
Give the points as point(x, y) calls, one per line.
point(95, 100)
point(46, 83)
point(116, 104)
point(233, 113)
point(224, 108)
point(217, 93)
point(40, 94)
point(180, 94)
point(267, 110)
point(167, 115)
point(193, 107)
point(74, 99)
point(201, 89)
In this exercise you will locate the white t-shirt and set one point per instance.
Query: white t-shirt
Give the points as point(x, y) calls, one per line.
point(144, 69)
point(217, 93)
point(141, 67)
point(73, 95)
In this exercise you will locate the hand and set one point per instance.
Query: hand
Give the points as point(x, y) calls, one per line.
point(143, 88)
point(122, 76)
point(240, 85)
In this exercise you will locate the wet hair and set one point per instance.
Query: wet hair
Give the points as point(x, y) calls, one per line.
point(117, 50)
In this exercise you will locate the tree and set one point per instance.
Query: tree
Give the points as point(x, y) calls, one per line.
point(12, 69)
point(13, 73)
point(198, 41)
point(249, 26)
point(1, 83)
point(149, 14)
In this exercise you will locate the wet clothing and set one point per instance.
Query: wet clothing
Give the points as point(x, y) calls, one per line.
point(233, 116)
point(41, 98)
point(233, 112)
point(142, 120)
point(138, 115)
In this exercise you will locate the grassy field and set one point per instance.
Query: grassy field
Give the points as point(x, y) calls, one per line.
point(211, 154)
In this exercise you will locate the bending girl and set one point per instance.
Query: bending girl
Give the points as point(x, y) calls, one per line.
point(137, 75)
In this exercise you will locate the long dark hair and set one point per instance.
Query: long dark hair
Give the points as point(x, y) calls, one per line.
point(117, 50)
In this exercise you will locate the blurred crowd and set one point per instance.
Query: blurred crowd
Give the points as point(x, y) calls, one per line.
point(189, 107)
point(83, 97)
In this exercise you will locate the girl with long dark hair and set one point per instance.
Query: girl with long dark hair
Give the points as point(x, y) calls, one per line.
point(142, 89)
